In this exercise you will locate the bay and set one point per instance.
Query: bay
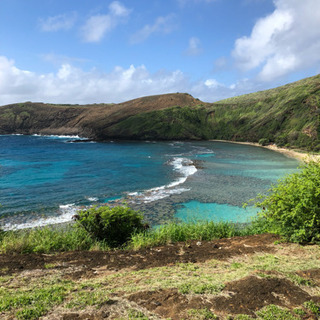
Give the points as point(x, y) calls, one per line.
point(45, 179)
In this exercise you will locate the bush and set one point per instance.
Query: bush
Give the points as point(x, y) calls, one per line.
point(264, 141)
point(292, 207)
point(1, 234)
point(112, 225)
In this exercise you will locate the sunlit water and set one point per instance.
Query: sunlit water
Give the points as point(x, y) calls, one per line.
point(45, 180)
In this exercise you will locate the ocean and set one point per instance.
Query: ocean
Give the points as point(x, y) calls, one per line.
point(46, 179)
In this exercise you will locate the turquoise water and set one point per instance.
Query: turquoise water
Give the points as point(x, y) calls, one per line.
point(194, 211)
point(47, 179)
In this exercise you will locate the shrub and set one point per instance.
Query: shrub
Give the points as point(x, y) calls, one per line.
point(1, 234)
point(292, 207)
point(112, 225)
point(264, 141)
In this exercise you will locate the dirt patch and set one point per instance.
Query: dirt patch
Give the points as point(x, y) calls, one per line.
point(251, 294)
point(88, 262)
point(168, 303)
point(313, 275)
point(245, 296)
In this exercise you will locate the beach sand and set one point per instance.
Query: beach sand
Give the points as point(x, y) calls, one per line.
point(299, 155)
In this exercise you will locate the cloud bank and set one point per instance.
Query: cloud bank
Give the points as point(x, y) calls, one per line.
point(74, 85)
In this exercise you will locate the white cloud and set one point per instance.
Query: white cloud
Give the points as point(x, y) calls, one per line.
point(59, 22)
point(212, 83)
point(162, 25)
point(74, 85)
point(194, 48)
point(285, 41)
point(97, 26)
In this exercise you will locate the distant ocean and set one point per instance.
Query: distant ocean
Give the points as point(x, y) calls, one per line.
point(46, 179)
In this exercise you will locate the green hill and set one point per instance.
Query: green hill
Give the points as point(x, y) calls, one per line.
point(287, 116)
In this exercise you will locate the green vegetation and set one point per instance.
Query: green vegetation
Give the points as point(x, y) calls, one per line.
point(273, 312)
point(76, 237)
point(113, 226)
point(202, 231)
point(313, 307)
point(34, 302)
point(292, 207)
point(46, 240)
point(171, 123)
point(200, 288)
point(201, 314)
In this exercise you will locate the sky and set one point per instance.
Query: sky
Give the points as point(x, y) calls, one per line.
point(100, 51)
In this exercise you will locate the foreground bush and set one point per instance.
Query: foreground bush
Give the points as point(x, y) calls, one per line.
point(115, 226)
point(292, 207)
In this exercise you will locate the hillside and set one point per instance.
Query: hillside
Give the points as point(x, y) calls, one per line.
point(91, 121)
point(288, 116)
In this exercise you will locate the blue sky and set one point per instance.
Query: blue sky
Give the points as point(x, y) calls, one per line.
point(81, 51)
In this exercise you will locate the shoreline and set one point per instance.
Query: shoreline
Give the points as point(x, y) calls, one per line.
point(298, 155)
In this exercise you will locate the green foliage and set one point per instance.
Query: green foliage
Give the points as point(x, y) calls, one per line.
point(299, 311)
point(313, 307)
point(171, 123)
point(273, 312)
point(242, 317)
point(136, 315)
point(114, 226)
point(201, 288)
point(33, 303)
point(264, 141)
point(83, 299)
point(2, 233)
point(46, 240)
point(174, 232)
point(292, 207)
point(201, 314)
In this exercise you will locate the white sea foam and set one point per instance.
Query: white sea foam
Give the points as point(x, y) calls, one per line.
point(184, 167)
point(66, 212)
point(59, 136)
point(93, 199)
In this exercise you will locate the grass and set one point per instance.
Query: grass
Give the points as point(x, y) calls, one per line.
point(47, 240)
point(273, 312)
point(202, 231)
point(72, 238)
point(35, 301)
point(75, 238)
point(201, 314)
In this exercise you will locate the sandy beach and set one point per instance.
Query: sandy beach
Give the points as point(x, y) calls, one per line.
point(299, 155)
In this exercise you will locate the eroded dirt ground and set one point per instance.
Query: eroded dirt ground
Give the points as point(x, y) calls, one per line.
point(221, 279)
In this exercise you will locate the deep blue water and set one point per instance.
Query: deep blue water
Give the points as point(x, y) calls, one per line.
point(46, 179)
